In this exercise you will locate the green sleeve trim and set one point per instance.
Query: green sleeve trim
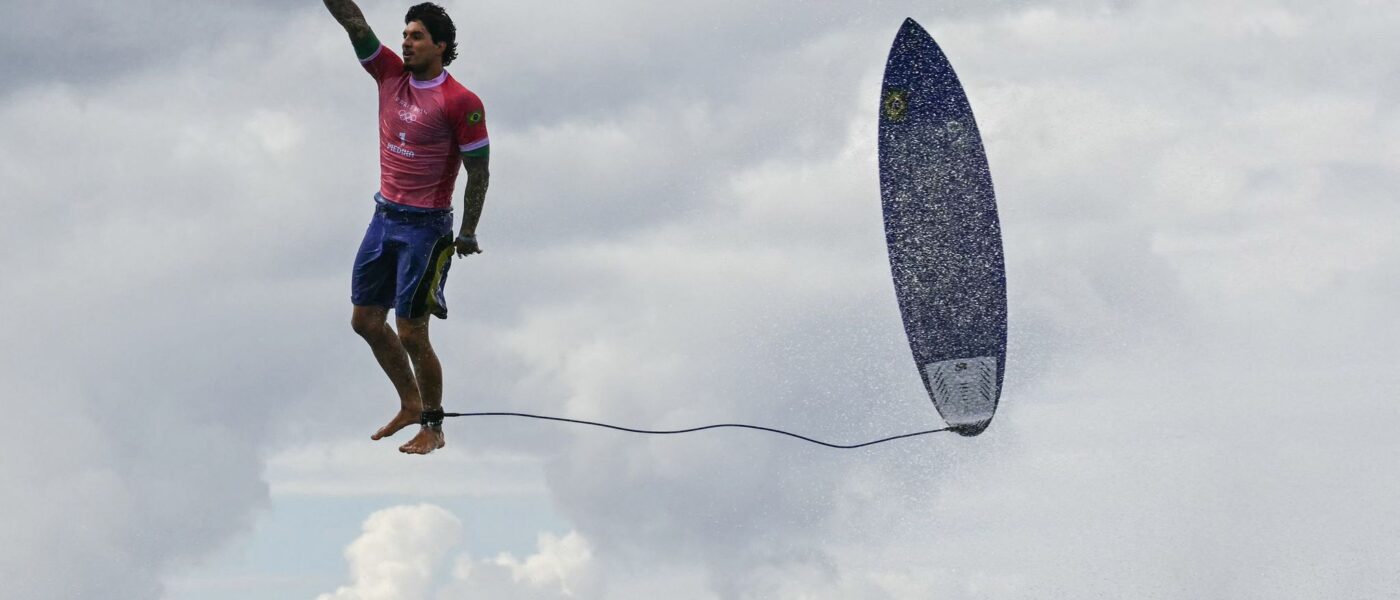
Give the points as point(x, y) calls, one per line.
point(365, 46)
point(478, 153)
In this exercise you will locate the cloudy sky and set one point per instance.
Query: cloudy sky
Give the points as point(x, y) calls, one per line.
point(683, 227)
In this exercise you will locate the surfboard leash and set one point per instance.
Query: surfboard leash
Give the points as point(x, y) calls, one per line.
point(435, 418)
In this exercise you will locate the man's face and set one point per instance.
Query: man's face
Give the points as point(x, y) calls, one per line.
point(419, 51)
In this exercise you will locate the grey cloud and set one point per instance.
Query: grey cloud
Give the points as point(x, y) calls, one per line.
point(1199, 287)
point(160, 271)
point(87, 44)
point(1160, 368)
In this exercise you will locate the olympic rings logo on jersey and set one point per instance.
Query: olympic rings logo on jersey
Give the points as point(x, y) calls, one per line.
point(408, 116)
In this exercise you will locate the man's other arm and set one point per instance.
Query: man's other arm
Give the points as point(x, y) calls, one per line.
point(478, 179)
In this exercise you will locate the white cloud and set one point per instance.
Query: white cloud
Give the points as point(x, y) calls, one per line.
point(396, 556)
point(559, 560)
point(562, 568)
point(402, 555)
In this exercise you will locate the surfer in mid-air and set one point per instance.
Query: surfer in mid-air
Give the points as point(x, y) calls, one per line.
point(428, 125)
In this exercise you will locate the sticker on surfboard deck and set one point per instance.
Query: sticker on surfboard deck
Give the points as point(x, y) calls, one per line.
point(942, 231)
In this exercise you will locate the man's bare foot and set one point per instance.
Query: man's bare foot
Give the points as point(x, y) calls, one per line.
point(427, 440)
point(405, 418)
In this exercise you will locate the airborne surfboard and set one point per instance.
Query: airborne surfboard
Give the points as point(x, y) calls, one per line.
point(943, 233)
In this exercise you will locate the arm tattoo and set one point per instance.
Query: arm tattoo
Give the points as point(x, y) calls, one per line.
point(478, 179)
point(350, 17)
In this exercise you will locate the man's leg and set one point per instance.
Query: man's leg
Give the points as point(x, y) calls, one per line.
point(413, 333)
point(372, 325)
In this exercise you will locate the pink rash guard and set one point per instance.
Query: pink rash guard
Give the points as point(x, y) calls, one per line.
point(424, 127)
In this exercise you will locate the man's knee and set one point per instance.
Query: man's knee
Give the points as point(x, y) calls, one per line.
point(414, 335)
point(367, 321)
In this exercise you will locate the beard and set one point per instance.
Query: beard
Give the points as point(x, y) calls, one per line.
point(414, 69)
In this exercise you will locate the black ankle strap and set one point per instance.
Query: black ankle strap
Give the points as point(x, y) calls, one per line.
point(432, 418)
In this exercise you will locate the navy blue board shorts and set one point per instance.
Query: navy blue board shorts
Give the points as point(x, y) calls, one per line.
point(403, 260)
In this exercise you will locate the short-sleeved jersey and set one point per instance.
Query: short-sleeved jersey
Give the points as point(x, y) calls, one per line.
point(424, 126)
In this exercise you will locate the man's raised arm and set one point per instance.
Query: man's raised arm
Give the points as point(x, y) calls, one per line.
point(350, 17)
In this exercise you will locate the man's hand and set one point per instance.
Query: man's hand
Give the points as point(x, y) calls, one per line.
point(466, 245)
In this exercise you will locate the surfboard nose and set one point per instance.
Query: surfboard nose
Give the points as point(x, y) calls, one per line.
point(912, 28)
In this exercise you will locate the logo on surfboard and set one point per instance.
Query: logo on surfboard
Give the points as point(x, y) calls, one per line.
point(896, 104)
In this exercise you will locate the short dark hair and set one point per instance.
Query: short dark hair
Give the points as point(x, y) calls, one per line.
point(439, 26)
